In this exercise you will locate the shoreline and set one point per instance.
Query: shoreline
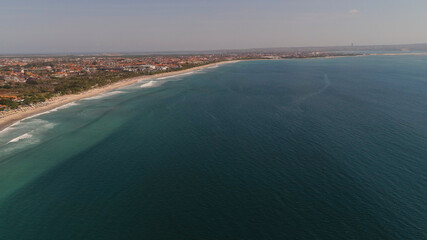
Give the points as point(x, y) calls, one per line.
point(397, 54)
point(8, 119)
point(30, 111)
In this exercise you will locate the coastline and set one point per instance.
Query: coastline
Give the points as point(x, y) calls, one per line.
point(398, 54)
point(8, 119)
point(30, 111)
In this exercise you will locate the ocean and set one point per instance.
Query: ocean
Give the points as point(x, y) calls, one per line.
point(276, 149)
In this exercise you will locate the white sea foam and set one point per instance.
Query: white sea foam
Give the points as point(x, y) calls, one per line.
point(177, 75)
point(14, 125)
point(150, 84)
point(8, 129)
point(159, 82)
point(23, 136)
point(107, 94)
point(65, 106)
point(53, 110)
point(26, 132)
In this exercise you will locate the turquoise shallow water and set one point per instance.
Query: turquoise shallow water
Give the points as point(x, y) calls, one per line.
point(289, 149)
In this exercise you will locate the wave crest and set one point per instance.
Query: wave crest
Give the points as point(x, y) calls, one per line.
point(150, 84)
point(23, 136)
point(102, 95)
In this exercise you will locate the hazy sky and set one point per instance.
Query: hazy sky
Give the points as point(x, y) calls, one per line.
point(48, 26)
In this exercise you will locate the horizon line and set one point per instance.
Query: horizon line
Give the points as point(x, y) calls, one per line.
point(211, 51)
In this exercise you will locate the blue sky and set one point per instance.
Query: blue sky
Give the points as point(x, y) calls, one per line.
point(49, 26)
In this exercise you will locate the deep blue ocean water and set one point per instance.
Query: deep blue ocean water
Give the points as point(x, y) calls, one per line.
point(287, 149)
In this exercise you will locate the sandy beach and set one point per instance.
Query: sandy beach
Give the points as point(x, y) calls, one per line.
point(9, 118)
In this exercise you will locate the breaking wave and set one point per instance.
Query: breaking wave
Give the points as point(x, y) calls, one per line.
point(215, 66)
point(23, 136)
point(24, 133)
point(102, 95)
point(53, 110)
point(177, 75)
point(150, 84)
point(14, 126)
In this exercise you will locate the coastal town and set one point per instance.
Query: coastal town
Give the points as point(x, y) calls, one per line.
point(28, 80)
